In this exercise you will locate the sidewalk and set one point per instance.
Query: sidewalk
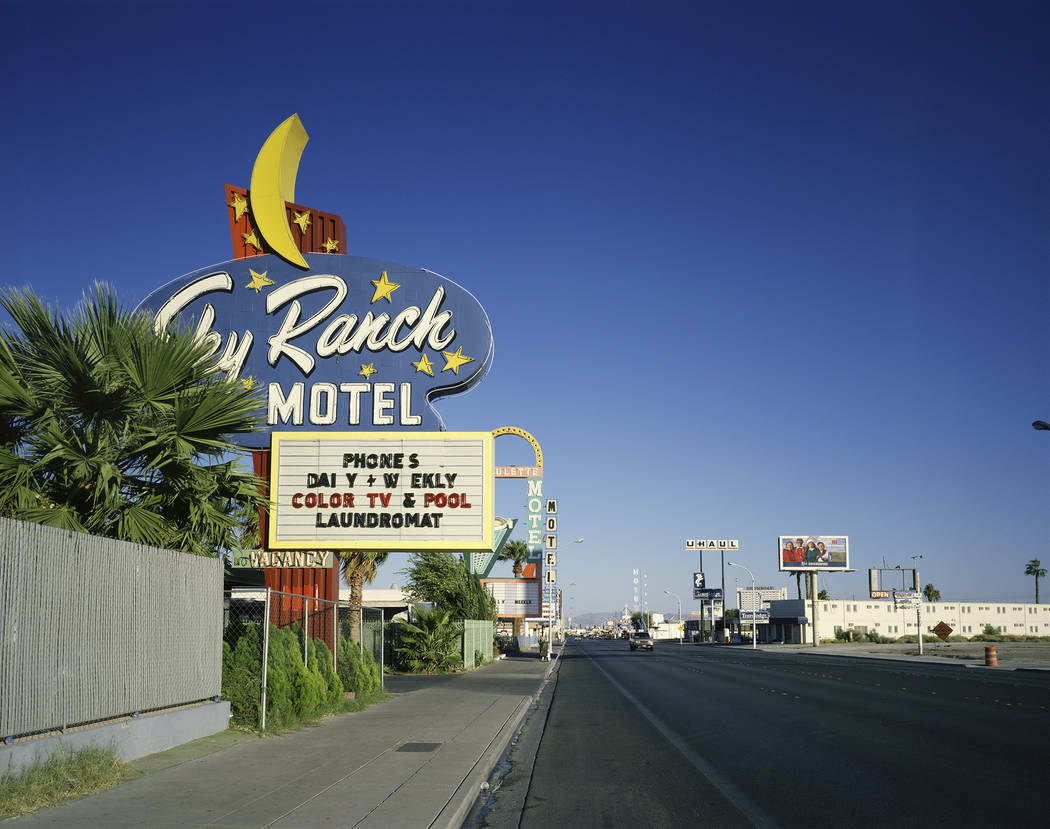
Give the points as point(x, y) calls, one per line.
point(417, 760)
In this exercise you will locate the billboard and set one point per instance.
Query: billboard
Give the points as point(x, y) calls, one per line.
point(382, 491)
point(808, 553)
point(514, 597)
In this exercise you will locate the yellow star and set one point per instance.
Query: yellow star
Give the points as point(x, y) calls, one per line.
point(454, 361)
point(259, 281)
point(367, 371)
point(239, 205)
point(248, 382)
point(330, 245)
point(384, 288)
point(251, 239)
point(424, 365)
point(303, 220)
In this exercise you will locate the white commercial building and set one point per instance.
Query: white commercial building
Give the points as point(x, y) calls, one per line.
point(964, 618)
point(791, 620)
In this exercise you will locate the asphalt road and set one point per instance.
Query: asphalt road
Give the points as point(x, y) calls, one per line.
point(725, 736)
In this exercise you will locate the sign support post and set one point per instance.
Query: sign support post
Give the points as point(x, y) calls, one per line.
point(918, 612)
point(813, 598)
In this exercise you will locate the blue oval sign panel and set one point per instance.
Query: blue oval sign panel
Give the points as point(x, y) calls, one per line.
point(351, 343)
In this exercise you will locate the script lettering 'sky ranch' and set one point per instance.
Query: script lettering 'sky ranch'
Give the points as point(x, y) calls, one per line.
point(359, 343)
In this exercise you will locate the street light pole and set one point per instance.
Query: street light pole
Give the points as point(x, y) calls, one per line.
point(668, 592)
point(754, 618)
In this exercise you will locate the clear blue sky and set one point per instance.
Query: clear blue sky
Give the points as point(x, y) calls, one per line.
point(751, 268)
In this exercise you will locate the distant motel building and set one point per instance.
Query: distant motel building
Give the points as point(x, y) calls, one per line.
point(790, 619)
point(964, 618)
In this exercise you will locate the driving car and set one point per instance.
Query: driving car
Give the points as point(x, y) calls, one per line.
point(641, 641)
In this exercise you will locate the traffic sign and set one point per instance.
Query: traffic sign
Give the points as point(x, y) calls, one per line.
point(698, 580)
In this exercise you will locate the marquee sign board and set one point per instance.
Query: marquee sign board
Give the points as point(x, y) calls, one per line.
point(514, 597)
point(382, 491)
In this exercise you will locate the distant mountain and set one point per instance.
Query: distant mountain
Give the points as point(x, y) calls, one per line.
point(594, 619)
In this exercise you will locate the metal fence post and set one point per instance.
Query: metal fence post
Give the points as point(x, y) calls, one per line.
point(361, 628)
point(335, 636)
point(382, 650)
point(265, 656)
point(306, 631)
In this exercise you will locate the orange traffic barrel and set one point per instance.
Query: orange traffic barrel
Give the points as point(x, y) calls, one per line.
point(991, 659)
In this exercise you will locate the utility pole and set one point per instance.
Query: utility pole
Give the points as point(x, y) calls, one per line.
point(918, 606)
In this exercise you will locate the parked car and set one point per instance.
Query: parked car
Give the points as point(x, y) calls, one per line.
point(641, 641)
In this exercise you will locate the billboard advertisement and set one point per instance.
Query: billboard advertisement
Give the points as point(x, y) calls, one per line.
point(809, 553)
point(514, 597)
point(382, 491)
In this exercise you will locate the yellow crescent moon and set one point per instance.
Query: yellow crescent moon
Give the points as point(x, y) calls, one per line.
point(273, 183)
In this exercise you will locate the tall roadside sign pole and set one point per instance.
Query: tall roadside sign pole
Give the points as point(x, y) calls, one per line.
point(722, 545)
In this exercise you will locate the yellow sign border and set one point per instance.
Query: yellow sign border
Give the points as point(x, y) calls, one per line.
point(452, 545)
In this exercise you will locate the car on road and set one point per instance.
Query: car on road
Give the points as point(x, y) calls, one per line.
point(641, 641)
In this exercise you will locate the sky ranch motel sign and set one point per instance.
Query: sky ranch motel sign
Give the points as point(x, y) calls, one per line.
point(347, 355)
point(353, 343)
point(329, 340)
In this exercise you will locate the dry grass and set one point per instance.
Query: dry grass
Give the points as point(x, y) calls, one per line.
point(66, 775)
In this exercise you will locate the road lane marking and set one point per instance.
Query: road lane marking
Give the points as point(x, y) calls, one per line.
point(750, 810)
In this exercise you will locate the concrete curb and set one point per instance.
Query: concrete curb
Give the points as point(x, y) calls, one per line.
point(467, 793)
point(911, 660)
point(463, 799)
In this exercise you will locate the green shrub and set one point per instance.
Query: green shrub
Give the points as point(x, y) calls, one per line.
point(242, 676)
point(322, 658)
point(873, 636)
point(431, 644)
point(358, 671)
point(295, 693)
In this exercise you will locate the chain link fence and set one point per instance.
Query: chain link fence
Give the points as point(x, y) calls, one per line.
point(248, 636)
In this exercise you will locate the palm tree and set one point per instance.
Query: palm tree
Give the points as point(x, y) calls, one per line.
point(931, 593)
point(111, 428)
point(358, 568)
point(1034, 568)
point(516, 551)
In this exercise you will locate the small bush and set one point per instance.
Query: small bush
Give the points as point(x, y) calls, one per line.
point(431, 644)
point(295, 693)
point(358, 671)
point(242, 677)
